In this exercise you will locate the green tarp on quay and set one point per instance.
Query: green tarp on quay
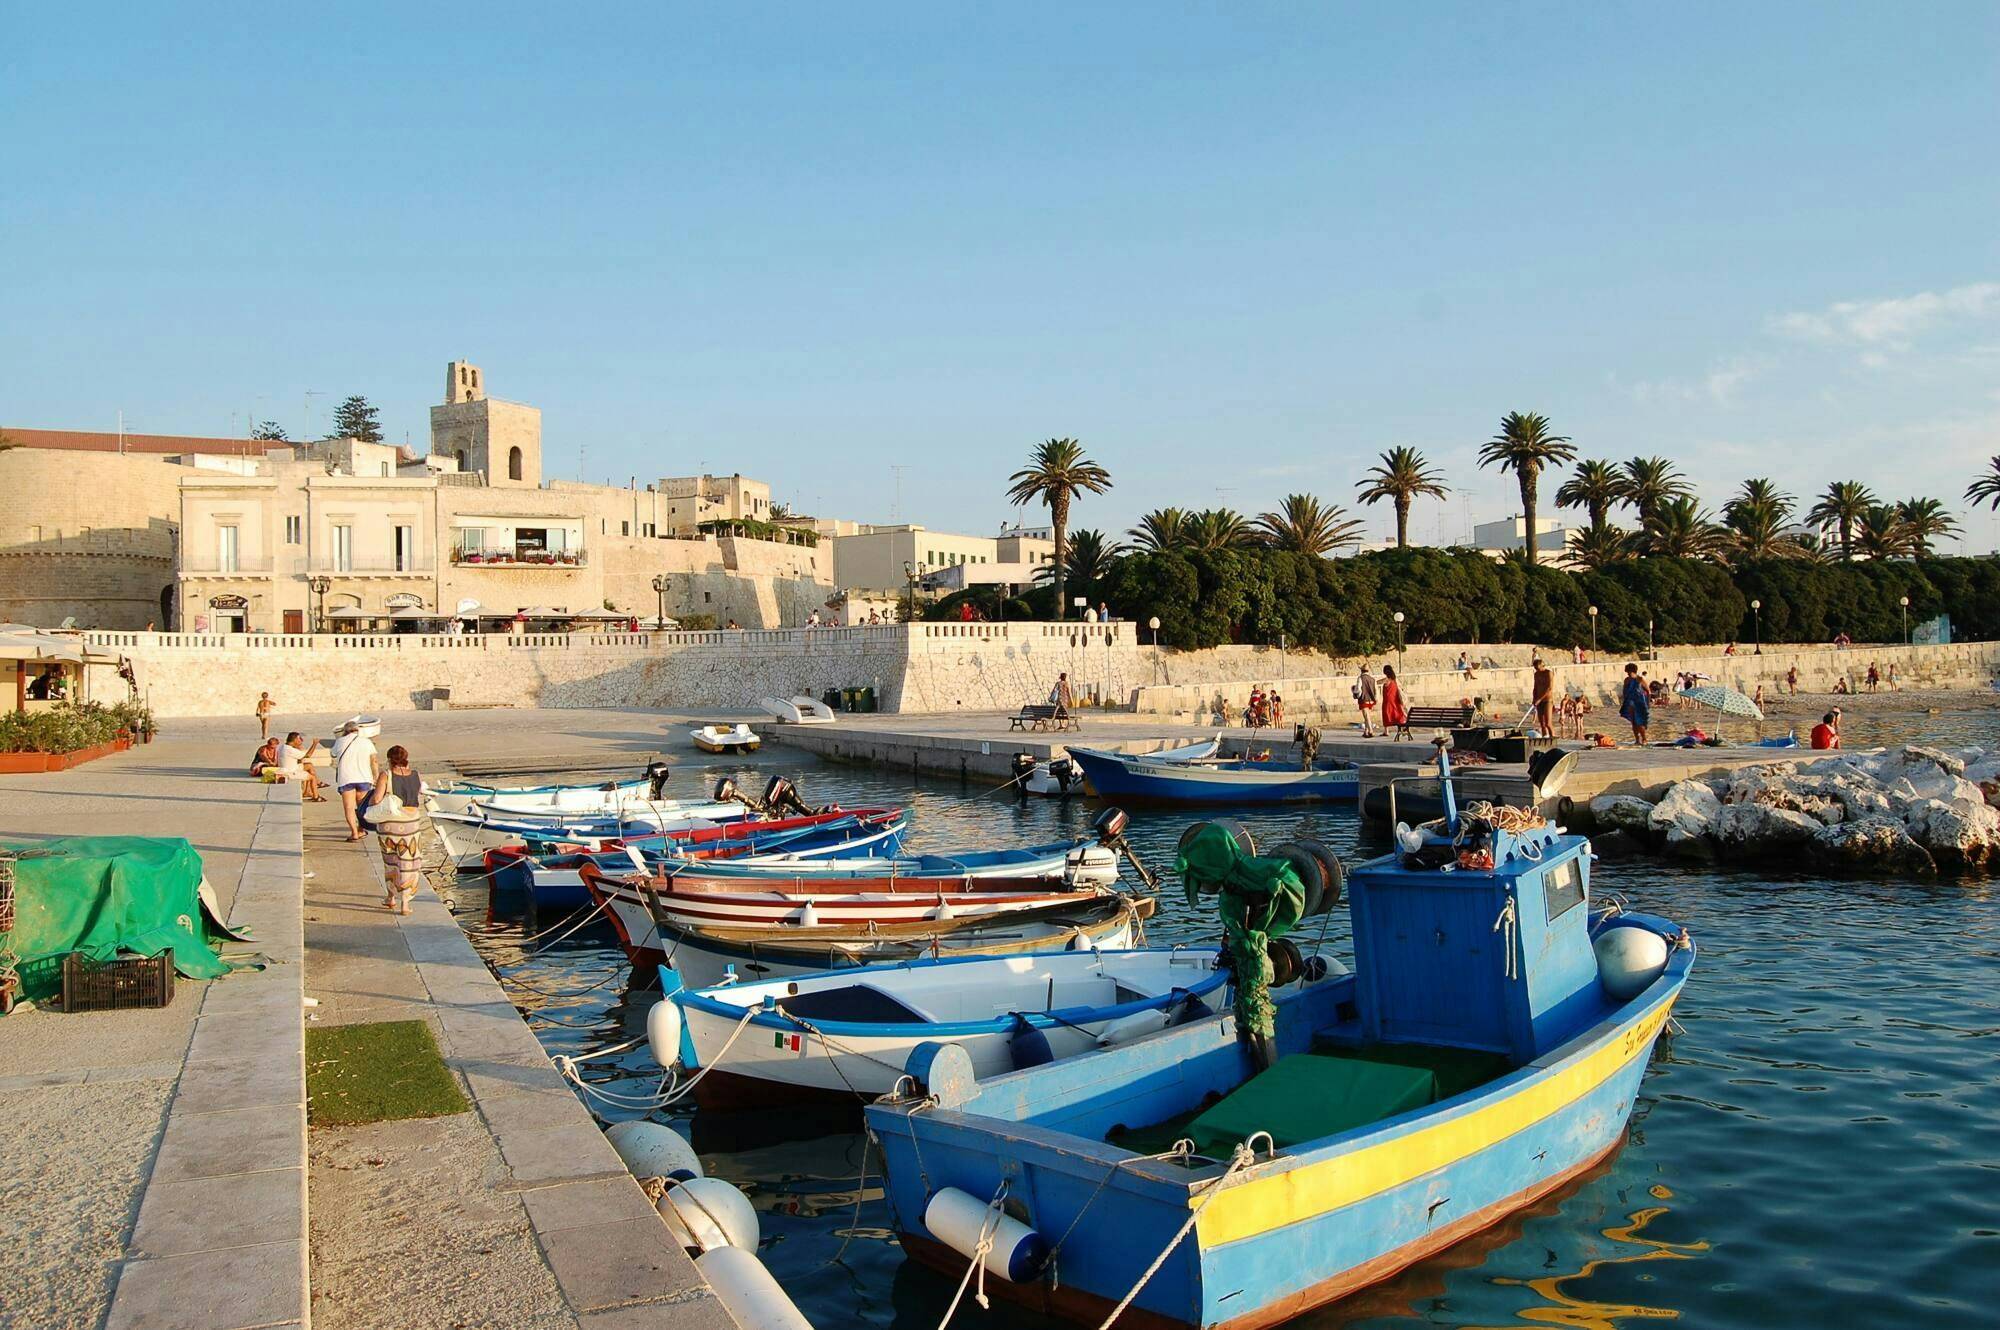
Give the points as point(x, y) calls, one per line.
point(101, 895)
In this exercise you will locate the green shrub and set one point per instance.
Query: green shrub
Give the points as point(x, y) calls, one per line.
point(65, 728)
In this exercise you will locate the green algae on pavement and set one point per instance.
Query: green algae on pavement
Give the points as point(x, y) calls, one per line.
point(377, 1073)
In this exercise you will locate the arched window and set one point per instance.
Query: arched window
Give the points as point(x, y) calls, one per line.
point(513, 464)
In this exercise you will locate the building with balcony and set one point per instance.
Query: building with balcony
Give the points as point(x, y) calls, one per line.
point(887, 557)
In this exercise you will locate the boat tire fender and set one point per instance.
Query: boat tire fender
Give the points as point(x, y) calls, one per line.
point(958, 1218)
point(1310, 871)
point(1336, 872)
point(1286, 962)
point(1235, 830)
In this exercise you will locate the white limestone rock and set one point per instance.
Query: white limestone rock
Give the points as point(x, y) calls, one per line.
point(1751, 830)
point(1870, 842)
point(1915, 757)
point(1689, 806)
point(1959, 833)
point(1621, 812)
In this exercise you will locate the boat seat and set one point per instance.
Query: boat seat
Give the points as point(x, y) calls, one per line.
point(1309, 1095)
point(1457, 1069)
point(854, 1002)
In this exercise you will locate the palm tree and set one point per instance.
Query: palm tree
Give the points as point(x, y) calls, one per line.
point(1926, 521)
point(1600, 544)
point(1307, 526)
point(1594, 488)
point(1986, 489)
point(1161, 530)
point(1757, 531)
point(1679, 529)
point(1403, 475)
point(1058, 472)
point(1842, 506)
point(1524, 446)
point(1648, 482)
point(1090, 558)
point(1881, 533)
point(1214, 529)
point(1759, 492)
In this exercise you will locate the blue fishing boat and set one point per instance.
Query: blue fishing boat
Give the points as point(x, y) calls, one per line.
point(1161, 778)
point(1240, 1170)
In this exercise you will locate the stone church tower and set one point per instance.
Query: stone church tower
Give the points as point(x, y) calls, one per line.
point(503, 440)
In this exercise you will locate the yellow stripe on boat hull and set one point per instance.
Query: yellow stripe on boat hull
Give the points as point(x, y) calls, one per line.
point(1299, 1194)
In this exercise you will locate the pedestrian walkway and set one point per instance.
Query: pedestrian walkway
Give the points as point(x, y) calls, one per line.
point(119, 1130)
point(516, 1214)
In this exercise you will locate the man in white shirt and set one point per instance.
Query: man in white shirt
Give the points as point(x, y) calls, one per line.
point(295, 763)
point(355, 767)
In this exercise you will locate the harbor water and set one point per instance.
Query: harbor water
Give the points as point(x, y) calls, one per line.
point(1819, 1144)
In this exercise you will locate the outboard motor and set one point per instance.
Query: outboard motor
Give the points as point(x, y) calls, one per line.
point(1023, 767)
point(781, 796)
point(726, 792)
point(656, 780)
point(1064, 773)
point(1109, 827)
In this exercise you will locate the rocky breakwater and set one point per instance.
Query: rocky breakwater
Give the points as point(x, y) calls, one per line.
point(1913, 809)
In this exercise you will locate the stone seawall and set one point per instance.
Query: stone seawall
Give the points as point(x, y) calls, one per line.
point(921, 668)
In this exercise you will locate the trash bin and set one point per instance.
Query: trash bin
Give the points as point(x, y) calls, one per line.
point(864, 699)
point(832, 698)
point(440, 698)
point(1516, 747)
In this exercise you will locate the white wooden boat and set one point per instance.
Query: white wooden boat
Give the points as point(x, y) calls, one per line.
point(468, 835)
point(850, 1032)
point(737, 738)
point(603, 797)
point(702, 956)
point(798, 710)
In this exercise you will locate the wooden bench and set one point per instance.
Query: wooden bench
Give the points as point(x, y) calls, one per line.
point(1440, 718)
point(1042, 717)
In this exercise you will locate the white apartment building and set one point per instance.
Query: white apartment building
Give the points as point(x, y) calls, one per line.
point(890, 556)
point(1511, 533)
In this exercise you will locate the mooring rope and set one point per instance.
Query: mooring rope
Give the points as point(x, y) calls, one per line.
point(988, 1226)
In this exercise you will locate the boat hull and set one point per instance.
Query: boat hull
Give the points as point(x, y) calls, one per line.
point(1287, 1234)
point(1137, 780)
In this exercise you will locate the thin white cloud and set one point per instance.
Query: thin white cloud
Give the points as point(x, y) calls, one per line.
point(1719, 386)
point(1892, 322)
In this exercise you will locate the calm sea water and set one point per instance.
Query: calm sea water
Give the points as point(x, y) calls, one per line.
point(1820, 1146)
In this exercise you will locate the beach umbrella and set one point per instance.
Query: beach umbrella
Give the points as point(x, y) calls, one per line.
point(1726, 701)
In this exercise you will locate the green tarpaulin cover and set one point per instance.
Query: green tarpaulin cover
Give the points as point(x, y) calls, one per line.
point(1307, 1096)
point(101, 895)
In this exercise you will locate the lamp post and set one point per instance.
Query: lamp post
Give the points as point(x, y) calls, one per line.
point(1399, 643)
point(1154, 624)
point(1757, 625)
point(911, 572)
point(1905, 603)
point(319, 587)
point(1593, 632)
point(1001, 605)
point(660, 589)
point(1650, 653)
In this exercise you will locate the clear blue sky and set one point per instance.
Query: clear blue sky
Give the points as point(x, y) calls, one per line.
point(1235, 249)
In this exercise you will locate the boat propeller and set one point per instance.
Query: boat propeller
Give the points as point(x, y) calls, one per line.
point(656, 779)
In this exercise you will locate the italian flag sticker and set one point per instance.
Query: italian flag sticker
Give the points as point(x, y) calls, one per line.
point(791, 1041)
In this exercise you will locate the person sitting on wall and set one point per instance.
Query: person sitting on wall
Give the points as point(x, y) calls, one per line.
point(264, 762)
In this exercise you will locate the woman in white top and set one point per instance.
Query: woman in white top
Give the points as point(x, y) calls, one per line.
point(355, 767)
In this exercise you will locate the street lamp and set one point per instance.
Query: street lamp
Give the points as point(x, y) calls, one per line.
point(1593, 632)
point(1757, 624)
point(911, 572)
point(1399, 643)
point(1650, 653)
point(319, 587)
point(1154, 624)
point(660, 585)
point(1905, 602)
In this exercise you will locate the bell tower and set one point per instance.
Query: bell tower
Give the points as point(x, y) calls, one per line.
point(501, 440)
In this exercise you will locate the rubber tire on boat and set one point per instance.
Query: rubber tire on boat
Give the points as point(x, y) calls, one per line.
point(1336, 871)
point(1310, 871)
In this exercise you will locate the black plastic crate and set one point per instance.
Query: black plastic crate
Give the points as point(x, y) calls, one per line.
point(128, 982)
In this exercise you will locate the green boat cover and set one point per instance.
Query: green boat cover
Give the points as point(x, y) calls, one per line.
point(102, 895)
point(1309, 1095)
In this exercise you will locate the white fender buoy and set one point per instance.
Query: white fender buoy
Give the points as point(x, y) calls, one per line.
point(808, 915)
point(653, 1150)
point(1628, 960)
point(706, 1213)
point(1136, 1026)
point(663, 1032)
point(748, 1292)
point(957, 1218)
point(944, 910)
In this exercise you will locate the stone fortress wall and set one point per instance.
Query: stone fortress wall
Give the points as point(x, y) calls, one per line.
point(85, 534)
point(923, 668)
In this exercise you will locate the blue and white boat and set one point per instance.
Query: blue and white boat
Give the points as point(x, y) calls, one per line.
point(468, 835)
point(848, 1033)
point(1061, 776)
point(1487, 1050)
point(1163, 778)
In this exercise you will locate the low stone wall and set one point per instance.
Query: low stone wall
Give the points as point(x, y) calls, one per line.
point(922, 668)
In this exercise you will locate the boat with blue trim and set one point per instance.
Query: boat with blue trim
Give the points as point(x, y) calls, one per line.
point(1164, 778)
point(1239, 1171)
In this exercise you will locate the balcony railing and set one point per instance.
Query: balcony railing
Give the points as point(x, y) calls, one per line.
point(552, 559)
